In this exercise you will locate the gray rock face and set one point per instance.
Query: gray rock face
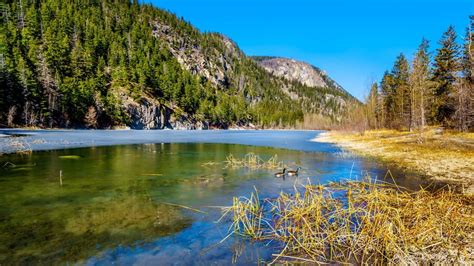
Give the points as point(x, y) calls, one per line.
point(146, 114)
point(295, 71)
point(298, 71)
point(182, 123)
point(212, 64)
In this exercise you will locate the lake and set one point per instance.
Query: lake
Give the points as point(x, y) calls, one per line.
point(149, 197)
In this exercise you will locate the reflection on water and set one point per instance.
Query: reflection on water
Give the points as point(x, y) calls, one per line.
point(114, 202)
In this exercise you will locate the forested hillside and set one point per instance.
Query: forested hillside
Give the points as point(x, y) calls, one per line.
point(100, 64)
point(434, 89)
point(317, 92)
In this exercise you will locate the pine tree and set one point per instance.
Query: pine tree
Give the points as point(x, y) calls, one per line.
point(446, 66)
point(401, 73)
point(372, 107)
point(387, 92)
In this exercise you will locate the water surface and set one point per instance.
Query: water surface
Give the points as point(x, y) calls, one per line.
point(121, 203)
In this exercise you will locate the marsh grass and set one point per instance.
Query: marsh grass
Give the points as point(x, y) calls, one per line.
point(446, 157)
point(361, 222)
point(253, 161)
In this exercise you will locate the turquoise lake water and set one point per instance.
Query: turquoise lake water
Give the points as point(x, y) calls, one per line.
point(122, 191)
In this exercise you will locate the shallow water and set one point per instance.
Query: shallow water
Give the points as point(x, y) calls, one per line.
point(119, 204)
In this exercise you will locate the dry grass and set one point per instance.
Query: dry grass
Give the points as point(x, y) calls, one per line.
point(253, 161)
point(448, 157)
point(361, 222)
point(20, 146)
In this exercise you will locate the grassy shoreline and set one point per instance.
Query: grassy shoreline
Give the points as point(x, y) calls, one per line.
point(446, 157)
point(360, 222)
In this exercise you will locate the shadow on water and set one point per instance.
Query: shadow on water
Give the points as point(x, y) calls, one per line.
point(113, 206)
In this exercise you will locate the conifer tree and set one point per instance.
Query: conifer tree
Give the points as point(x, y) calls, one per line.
point(446, 66)
point(372, 107)
point(387, 92)
point(401, 73)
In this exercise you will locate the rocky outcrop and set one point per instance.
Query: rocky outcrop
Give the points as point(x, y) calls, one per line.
point(334, 99)
point(183, 123)
point(291, 69)
point(298, 71)
point(146, 114)
point(212, 64)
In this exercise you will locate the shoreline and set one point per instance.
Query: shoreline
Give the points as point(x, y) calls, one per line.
point(442, 158)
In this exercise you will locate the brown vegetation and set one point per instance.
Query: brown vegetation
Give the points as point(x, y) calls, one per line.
point(253, 161)
point(371, 223)
point(447, 157)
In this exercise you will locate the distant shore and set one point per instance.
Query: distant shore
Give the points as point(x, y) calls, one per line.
point(446, 158)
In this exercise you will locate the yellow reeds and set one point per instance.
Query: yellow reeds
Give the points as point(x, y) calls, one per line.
point(361, 222)
point(253, 161)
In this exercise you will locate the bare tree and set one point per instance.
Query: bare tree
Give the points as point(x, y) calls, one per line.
point(372, 107)
point(419, 86)
point(91, 117)
point(21, 15)
point(464, 109)
point(11, 116)
point(464, 113)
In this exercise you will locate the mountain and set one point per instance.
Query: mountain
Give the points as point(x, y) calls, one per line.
point(302, 72)
point(318, 93)
point(120, 63)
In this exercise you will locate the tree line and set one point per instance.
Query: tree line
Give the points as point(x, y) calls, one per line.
point(428, 90)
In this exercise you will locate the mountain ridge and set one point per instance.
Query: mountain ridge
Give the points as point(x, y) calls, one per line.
point(323, 78)
point(127, 64)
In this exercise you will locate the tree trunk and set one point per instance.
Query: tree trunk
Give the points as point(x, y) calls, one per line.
point(422, 109)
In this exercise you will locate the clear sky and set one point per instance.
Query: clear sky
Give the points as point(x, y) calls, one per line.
point(353, 41)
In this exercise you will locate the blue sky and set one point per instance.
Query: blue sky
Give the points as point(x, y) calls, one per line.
point(354, 41)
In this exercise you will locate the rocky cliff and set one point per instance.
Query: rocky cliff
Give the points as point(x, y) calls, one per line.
point(319, 93)
point(148, 113)
point(302, 72)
